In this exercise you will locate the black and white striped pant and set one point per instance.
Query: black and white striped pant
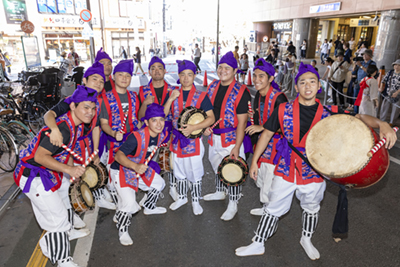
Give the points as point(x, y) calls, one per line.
point(310, 221)
point(171, 179)
point(123, 221)
point(266, 227)
point(55, 246)
point(182, 188)
point(152, 198)
point(196, 191)
point(234, 192)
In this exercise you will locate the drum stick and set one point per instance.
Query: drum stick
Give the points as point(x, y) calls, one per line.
point(251, 111)
point(123, 123)
point(215, 124)
point(76, 156)
point(379, 144)
point(151, 156)
point(89, 159)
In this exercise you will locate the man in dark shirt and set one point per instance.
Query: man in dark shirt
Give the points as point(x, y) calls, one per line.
point(292, 49)
point(106, 60)
point(309, 187)
point(130, 172)
point(267, 99)
point(230, 101)
point(43, 175)
point(188, 157)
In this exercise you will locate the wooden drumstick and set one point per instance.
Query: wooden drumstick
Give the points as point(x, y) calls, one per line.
point(379, 144)
point(215, 124)
point(251, 111)
point(76, 156)
point(89, 159)
point(151, 156)
point(123, 123)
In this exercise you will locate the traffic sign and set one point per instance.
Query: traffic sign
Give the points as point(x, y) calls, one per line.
point(27, 26)
point(86, 15)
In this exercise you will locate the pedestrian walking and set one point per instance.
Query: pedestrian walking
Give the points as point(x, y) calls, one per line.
point(197, 56)
point(244, 66)
point(303, 49)
point(123, 54)
point(324, 51)
point(138, 60)
point(337, 76)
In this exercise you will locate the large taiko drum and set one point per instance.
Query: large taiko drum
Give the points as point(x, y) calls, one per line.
point(233, 172)
point(192, 116)
point(337, 148)
point(81, 197)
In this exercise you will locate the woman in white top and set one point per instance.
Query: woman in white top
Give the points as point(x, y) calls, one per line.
point(370, 93)
point(361, 50)
point(337, 76)
point(303, 49)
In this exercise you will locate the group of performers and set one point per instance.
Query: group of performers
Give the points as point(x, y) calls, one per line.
point(103, 113)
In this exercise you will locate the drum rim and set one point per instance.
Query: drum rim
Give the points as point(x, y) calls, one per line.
point(99, 181)
point(189, 111)
point(78, 189)
point(321, 172)
point(244, 166)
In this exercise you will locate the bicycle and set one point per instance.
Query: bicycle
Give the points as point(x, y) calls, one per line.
point(8, 151)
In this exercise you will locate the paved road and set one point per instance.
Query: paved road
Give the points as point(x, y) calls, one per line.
point(178, 238)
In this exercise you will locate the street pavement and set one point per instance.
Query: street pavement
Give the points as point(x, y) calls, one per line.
point(179, 238)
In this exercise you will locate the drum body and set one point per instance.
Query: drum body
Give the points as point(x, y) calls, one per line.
point(92, 176)
point(81, 197)
point(337, 148)
point(164, 159)
point(192, 115)
point(103, 177)
point(233, 172)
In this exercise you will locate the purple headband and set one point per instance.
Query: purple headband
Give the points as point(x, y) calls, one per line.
point(124, 66)
point(186, 65)
point(266, 67)
point(229, 59)
point(156, 60)
point(101, 55)
point(82, 93)
point(153, 110)
point(304, 68)
point(96, 68)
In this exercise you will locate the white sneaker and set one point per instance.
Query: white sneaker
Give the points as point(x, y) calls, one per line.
point(179, 203)
point(125, 239)
point(68, 262)
point(141, 203)
point(75, 234)
point(219, 195)
point(173, 193)
point(107, 195)
point(257, 212)
point(255, 248)
point(197, 209)
point(309, 248)
point(156, 210)
point(78, 223)
point(230, 211)
point(115, 218)
point(103, 203)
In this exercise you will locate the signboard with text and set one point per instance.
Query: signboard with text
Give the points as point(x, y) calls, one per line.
point(65, 21)
point(282, 26)
point(30, 47)
point(325, 8)
point(15, 11)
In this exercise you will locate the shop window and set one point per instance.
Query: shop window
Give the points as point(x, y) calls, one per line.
point(343, 32)
point(61, 6)
point(366, 34)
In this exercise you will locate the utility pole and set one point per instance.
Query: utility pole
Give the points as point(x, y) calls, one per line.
point(217, 44)
point(101, 24)
point(92, 53)
point(164, 43)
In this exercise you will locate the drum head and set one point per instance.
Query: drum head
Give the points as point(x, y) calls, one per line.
point(192, 115)
point(87, 195)
point(233, 172)
point(337, 146)
point(91, 176)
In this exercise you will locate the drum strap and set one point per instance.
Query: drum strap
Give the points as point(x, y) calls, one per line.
point(341, 223)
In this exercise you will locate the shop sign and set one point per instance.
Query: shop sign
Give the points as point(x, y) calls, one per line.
point(15, 11)
point(124, 23)
point(27, 27)
point(252, 37)
point(65, 21)
point(325, 8)
point(279, 26)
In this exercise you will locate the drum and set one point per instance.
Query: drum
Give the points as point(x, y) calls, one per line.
point(165, 159)
point(103, 177)
point(233, 172)
point(92, 176)
point(337, 148)
point(81, 197)
point(192, 116)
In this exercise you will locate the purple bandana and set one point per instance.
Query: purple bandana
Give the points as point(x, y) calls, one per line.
point(266, 67)
point(156, 60)
point(96, 68)
point(82, 93)
point(186, 65)
point(153, 110)
point(229, 59)
point(101, 54)
point(124, 66)
point(304, 68)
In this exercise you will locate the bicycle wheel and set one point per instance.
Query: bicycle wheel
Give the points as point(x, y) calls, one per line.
point(35, 117)
point(21, 134)
point(8, 151)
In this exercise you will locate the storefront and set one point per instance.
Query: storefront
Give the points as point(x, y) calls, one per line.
point(282, 32)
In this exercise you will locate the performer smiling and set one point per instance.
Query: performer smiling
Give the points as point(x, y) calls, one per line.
point(187, 154)
point(129, 160)
point(295, 119)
